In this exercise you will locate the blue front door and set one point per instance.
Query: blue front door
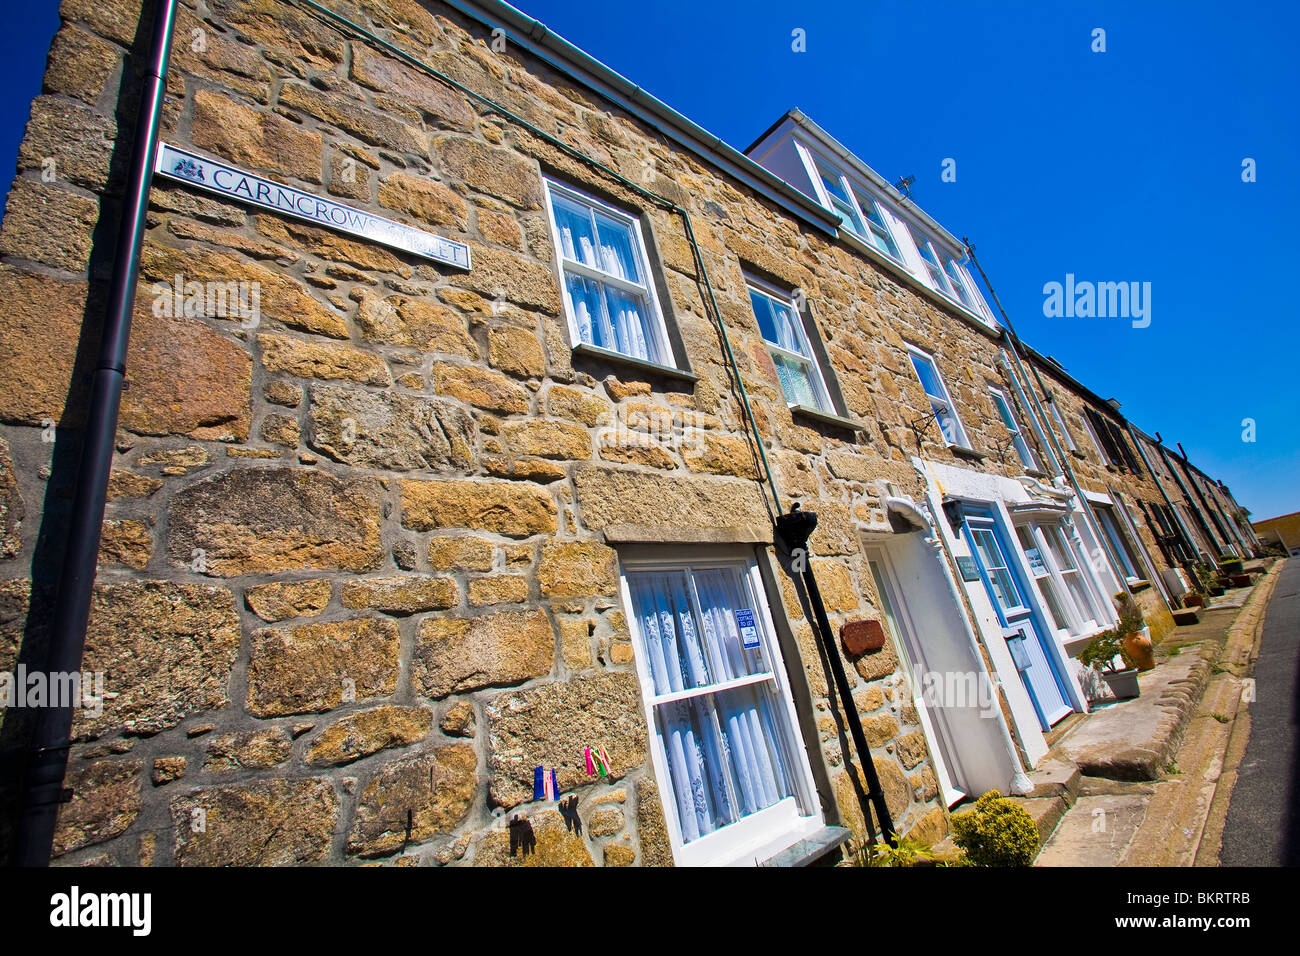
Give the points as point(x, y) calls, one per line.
point(1019, 622)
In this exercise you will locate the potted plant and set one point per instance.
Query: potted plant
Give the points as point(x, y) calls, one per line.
point(1100, 655)
point(1134, 633)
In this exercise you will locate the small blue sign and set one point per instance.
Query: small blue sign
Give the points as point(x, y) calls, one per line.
point(748, 630)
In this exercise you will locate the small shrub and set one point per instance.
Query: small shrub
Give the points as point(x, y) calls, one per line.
point(907, 852)
point(997, 832)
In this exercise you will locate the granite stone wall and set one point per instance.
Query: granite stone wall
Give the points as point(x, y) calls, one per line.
point(360, 560)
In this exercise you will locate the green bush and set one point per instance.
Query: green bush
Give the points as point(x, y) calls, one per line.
point(997, 832)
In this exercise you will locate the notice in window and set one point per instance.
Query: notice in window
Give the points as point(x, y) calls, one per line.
point(748, 630)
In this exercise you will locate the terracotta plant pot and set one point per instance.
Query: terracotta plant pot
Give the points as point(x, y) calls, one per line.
point(1138, 648)
point(1192, 599)
point(1239, 580)
point(1123, 684)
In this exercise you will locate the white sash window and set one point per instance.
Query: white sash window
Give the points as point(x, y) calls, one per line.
point(608, 296)
point(733, 771)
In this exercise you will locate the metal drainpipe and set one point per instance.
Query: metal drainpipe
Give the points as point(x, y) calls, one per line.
point(48, 759)
point(1067, 469)
point(792, 532)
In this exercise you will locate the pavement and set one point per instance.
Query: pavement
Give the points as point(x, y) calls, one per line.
point(1263, 819)
point(1147, 782)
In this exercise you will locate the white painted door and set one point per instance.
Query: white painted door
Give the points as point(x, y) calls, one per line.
point(933, 720)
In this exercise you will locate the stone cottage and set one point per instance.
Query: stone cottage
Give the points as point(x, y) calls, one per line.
point(464, 383)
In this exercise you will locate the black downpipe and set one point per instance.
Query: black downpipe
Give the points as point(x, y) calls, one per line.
point(48, 759)
point(792, 532)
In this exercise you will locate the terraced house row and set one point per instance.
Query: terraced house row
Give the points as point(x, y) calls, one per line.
point(464, 384)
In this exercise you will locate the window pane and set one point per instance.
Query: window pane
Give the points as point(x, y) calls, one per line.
point(1004, 411)
point(796, 381)
point(573, 221)
point(1107, 521)
point(1004, 587)
point(1079, 593)
point(787, 335)
point(958, 286)
point(589, 311)
point(662, 604)
point(876, 223)
point(840, 200)
point(723, 759)
point(926, 373)
point(947, 423)
point(1047, 589)
point(627, 316)
point(618, 249)
point(721, 594)
point(763, 312)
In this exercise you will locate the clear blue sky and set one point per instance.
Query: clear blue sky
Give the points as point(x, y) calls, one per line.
point(1115, 166)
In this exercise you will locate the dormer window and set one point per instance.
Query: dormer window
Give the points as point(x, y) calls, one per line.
point(858, 211)
point(958, 282)
point(880, 235)
point(840, 194)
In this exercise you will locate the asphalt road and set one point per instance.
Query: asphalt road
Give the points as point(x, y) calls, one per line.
point(1263, 827)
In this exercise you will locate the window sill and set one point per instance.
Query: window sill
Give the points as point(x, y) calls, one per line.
point(970, 454)
point(607, 355)
point(1078, 454)
point(1138, 586)
point(810, 849)
point(827, 418)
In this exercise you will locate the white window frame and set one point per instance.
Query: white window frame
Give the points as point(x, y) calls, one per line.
point(946, 399)
point(809, 358)
point(1081, 621)
point(656, 327)
point(935, 274)
point(760, 835)
point(866, 201)
point(1106, 513)
point(1018, 440)
point(823, 170)
point(956, 278)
